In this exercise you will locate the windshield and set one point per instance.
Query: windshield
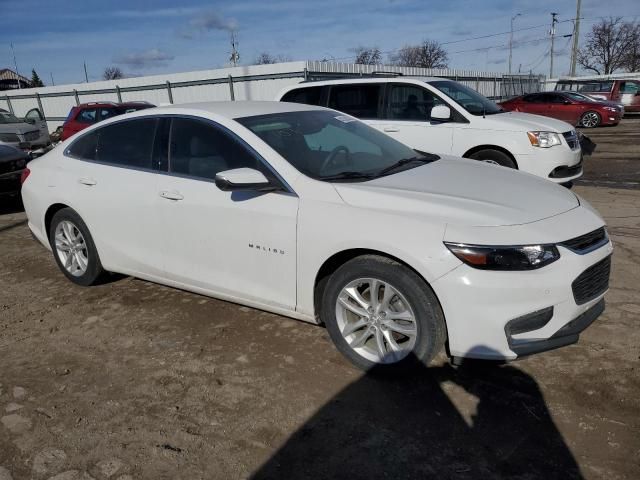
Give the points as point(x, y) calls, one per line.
point(6, 117)
point(331, 146)
point(579, 96)
point(469, 99)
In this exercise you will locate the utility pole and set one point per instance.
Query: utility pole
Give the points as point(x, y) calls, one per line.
point(576, 41)
point(235, 56)
point(511, 40)
point(15, 64)
point(86, 77)
point(554, 20)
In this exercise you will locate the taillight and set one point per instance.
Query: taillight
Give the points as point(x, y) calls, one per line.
point(24, 175)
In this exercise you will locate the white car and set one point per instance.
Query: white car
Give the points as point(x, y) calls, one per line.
point(445, 117)
point(307, 212)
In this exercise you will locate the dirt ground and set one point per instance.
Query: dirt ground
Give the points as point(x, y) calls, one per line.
point(134, 380)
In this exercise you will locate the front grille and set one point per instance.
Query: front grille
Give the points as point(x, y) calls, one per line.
point(592, 282)
point(565, 171)
point(587, 242)
point(31, 136)
point(572, 139)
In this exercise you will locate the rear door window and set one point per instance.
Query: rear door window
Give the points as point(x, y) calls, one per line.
point(128, 143)
point(87, 115)
point(107, 112)
point(361, 101)
point(307, 95)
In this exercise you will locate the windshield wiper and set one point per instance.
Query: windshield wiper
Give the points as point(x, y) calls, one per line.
point(426, 158)
point(349, 175)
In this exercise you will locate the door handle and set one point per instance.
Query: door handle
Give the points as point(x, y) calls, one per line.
point(90, 182)
point(171, 195)
point(391, 129)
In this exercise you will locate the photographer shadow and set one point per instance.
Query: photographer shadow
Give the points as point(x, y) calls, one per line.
point(407, 427)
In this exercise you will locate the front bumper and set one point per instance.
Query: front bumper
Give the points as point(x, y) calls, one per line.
point(544, 162)
point(481, 307)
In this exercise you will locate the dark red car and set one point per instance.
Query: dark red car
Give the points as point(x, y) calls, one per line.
point(584, 113)
point(86, 114)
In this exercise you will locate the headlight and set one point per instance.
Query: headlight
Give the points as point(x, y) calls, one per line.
point(522, 257)
point(9, 137)
point(611, 109)
point(544, 139)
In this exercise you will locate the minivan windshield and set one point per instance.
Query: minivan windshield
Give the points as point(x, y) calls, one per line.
point(469, 99)
point(332, 146)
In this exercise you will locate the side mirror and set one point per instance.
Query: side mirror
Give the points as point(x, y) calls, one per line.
point(243, 179)
point(32, 121)
point(566, 102)
point(440, 113)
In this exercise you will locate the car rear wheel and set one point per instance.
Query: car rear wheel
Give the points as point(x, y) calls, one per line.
point(73, 248)
point(495, 157)
point(590, 119)
point(381, 315)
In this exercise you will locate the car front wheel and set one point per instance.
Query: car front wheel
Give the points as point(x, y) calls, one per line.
point(381, 314)
point(73, 248)
point(494, 156)
point(590, 120)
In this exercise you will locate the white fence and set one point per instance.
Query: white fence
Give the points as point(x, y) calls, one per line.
point(257, 82)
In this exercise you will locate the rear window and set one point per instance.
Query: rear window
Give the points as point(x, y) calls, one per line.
point(596, 87)
point(128, 143)
point(308, 95)
point(361, 101)
point(629, 87)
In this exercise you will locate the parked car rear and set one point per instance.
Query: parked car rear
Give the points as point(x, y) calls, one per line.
point(584, 113)
point(626, 92)
point(86, 114)
point(12, 166)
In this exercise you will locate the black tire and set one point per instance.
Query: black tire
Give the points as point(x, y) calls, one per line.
point(431, 330)
point(590, 115)
point(94, 269)
point(494, 156)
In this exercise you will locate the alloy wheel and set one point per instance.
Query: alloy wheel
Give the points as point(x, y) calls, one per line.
point(590, 119)
point(376, 320)
point(71, 248)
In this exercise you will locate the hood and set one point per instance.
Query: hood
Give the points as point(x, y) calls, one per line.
point(19, 128)
point(524, 122)
point(463, 192)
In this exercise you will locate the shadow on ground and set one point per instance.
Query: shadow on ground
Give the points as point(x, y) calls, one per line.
point(408, 428)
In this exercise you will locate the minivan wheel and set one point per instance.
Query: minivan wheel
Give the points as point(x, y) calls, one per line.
point(590, 119)
point(381, 314)
point(73, 248)
point(494, 156)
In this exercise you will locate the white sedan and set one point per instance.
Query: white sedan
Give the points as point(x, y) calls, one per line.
point(310, 213)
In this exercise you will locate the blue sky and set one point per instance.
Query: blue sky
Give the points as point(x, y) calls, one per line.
point(153, 37)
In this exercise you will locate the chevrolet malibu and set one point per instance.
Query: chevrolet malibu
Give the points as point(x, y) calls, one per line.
point(309, 213)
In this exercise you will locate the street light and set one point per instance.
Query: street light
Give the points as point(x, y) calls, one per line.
point(511, 39)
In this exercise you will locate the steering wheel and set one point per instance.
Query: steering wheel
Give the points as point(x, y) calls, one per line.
point(331, 157)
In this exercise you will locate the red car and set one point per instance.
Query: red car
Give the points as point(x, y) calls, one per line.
point(86, 114)
point(584, 113)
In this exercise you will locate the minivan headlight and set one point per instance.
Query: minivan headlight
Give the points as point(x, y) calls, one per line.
point(520, 257)
point(544, 139)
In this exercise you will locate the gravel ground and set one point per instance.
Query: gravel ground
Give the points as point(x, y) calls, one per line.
point(134, 380)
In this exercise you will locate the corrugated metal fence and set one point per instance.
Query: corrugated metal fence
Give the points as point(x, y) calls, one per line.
point(256, 82)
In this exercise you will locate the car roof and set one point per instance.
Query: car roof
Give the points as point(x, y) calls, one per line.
point(238, 109)
point(375, 79)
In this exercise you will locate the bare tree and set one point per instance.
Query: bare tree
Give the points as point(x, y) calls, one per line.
point(368, 55)
point(266, 58)
point(609, 45)
point(429, 54)
point(112, 73)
